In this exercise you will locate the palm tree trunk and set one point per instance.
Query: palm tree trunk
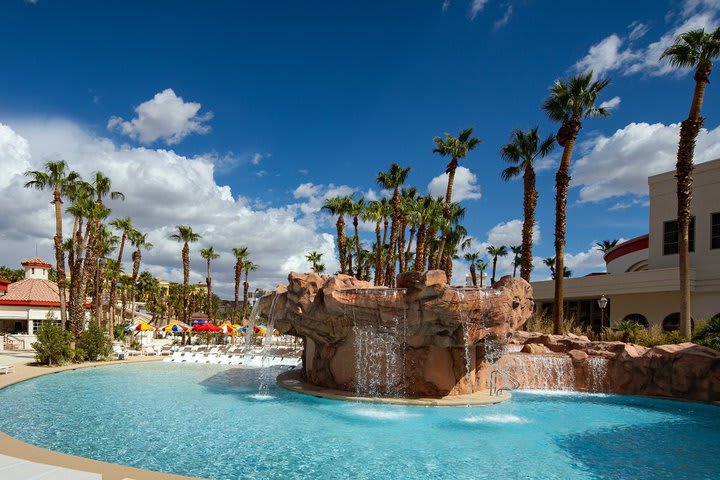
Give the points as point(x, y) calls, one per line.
point(209, 292)
point(420, 249)
point(401, 246)
point(684, 168)
point(473, 274)
point(136, 269)
point(246, 288)
point(562, 181)
point(341, 243)
point(409, 247)
point(60, 258)
point(390, 261)
point(448, 267)
point(514, 267)
point(357, 248)
point(441, 250)
point(529, 204)
point(378, 255)
point(113, 285)
point(186, 281)
point(492, 281)
point(237, 290)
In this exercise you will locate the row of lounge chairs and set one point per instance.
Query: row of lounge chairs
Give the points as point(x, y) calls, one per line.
point(228, 355)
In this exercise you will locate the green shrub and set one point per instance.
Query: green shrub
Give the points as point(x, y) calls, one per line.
point(79, 355)
point(119, 332)
point(709, 334)
point(94, 343)
point(656, 336)
point(53, 345)
point(628, 330)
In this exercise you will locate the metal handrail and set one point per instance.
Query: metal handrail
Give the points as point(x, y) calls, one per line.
point(494, 390)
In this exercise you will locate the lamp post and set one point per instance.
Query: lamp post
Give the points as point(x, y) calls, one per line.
point(602, 303)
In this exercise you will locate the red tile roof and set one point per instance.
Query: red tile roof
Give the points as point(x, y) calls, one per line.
point(35, 262)
point(31, 290)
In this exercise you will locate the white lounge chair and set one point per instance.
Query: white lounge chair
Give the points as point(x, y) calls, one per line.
point(6, 369)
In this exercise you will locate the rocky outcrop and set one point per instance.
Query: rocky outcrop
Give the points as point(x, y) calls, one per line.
point(425, 320)
point(686, 370)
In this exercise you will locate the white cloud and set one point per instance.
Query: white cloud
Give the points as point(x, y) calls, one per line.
point(476, 7)
point(307, 190)
point(611, 104)
point(637, 30)
point(258, 157)
point(620, 164)
point(585, 262)
point(510, 233)
point(465, 185)
point(445, 5)
point(166, 116)
point(162, 189)
point(605, 56)
point(502, 21)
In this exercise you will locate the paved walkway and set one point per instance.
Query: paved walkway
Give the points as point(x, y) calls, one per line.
point(22, 461)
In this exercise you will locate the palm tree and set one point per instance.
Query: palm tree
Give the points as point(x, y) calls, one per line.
point(320, 268)
point(375, 212)
point(185, 235)
point(139, 241)
point(694, 49)
point(209, 254)
point(314, 258)
point(339, 206)
point(522, 151)
point(426, 215)
point(456, 148)
point(570, 102)
point(517, 252)
point(240, 253)
point(495, 252)
point(125, 226)
point(55, 177)
point(481, 266)
point(473, 258)
point(407, 199)
point(356, 210)
point(550, 263)
point(393, 179)
point(248, 266)
point(606, 245)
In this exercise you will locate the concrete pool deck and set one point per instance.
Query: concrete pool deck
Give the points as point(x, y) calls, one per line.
point(46, 464)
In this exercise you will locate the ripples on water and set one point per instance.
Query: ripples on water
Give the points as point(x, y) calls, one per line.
point(214, 422)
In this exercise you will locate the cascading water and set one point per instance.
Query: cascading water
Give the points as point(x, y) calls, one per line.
point(598, 371)
point(250, 332)
point(465, 319)
point(380, 348)
point(266, 374)
point(545, 372)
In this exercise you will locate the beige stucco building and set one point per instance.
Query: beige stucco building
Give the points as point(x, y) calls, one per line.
point(642, 279)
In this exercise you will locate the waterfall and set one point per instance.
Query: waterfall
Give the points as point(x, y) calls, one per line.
point(465, 319)
point(545, 372)
point(598, 370)
point(380, 349)
point(250, 332)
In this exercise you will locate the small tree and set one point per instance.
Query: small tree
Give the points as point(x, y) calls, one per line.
point(53, 345)
point(94, 343)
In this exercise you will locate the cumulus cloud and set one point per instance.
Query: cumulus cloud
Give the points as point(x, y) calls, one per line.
point(510, 233)
point(611, 104)
point(465, 185)
point(166, 116)
point(620, 164)
point(613, 53)
point(162, 189)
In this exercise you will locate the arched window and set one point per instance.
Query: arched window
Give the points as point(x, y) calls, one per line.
point(672, 322)
point(637, 318)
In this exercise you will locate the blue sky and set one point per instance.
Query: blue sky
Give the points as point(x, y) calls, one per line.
point(276, 95)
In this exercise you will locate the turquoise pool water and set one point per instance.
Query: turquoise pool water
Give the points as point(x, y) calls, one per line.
point(210, 421)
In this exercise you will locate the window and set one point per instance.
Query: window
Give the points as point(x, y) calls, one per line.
point(670, 237)
point(38, 323)
point(637, 318)
point(672, 322)
point(715, 230)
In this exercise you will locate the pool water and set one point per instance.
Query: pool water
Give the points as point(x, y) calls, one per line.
point(214, 422)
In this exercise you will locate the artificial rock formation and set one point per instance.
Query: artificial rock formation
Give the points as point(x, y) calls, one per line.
point(412, 338)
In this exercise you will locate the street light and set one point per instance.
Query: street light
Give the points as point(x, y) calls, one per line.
point(602, 303)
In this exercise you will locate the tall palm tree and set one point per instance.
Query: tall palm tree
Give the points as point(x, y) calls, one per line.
point(314, 258)
point(393, 179)
point(356, 210)
point(481, 265)
point(56, 177)
point(606, 245)
point(522, 151)
point(339, 206)
point(426, 214)
point(124, 225)
point(209, 254)
point(240, 253)
point(495, 252)
point(694, 49)
point(517, 252)
point(186, 236)
point(375, 212)
point(473, 257)
point(570, 102)
point(550, 263)
point(456, 148)
point(248, 267)
point(407, 199)
point(139, 241)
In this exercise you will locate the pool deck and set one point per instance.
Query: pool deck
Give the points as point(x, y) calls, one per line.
point(292, 381)
point(22, 460)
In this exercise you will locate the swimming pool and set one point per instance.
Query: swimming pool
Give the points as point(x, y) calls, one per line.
point(212, 421)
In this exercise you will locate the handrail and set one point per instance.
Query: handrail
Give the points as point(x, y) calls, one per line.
point(494, 390)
